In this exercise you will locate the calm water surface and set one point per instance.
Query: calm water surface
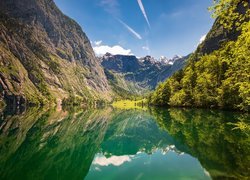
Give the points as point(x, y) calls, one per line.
point(124, 144)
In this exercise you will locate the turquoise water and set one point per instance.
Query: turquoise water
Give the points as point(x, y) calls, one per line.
point(124, 144)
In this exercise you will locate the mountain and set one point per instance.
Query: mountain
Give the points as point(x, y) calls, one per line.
point(176, 63)
point(217, 74)
point(138, 75)
point(165, 60)
point(45, 55)
point(219, 35)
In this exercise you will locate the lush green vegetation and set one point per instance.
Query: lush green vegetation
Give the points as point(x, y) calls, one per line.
point(131, 104)
point(121, 88)
point(219, 79)
point(73, 101)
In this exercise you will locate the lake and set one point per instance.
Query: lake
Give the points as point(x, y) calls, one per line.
point(129, 144)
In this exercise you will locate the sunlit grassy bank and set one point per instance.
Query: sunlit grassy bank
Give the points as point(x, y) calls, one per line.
point(130, 104)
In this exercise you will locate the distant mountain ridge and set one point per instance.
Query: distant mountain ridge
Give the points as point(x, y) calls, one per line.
point(145, 72)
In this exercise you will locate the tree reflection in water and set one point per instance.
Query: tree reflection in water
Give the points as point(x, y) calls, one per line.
point(51, 144)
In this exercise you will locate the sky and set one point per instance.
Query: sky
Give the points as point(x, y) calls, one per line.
point(141, 27)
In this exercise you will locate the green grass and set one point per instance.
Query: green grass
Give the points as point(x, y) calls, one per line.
point(130, 104)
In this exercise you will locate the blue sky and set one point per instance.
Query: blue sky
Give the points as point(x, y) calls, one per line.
point(141, 27)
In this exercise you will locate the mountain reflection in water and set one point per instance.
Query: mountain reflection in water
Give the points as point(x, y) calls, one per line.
point(123, 144)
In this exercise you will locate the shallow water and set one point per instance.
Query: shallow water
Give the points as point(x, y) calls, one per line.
point(123, 144)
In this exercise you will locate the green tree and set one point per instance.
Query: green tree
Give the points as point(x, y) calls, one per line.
point(219, 79)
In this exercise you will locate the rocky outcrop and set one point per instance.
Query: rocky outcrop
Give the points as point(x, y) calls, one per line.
point(45, 55)
point(218, 35)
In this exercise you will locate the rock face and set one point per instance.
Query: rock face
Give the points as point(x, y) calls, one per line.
point(144, 72)
point(45, 55)
point(218, 35)
point(215, 38)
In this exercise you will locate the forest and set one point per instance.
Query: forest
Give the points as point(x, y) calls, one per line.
point(219, 79)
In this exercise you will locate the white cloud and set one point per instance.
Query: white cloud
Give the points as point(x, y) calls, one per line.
point(145, 48)
point(137, 35)
point(143, 12)
point(113, 160)
point(98, 43)
point(103, 49)
point(202, 38)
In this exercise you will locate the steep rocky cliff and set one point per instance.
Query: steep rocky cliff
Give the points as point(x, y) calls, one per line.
point(219, 35)
point(45, 55)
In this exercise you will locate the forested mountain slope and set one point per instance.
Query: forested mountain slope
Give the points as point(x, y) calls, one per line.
point(45, 55)
point(218, 73)
point(132, 75)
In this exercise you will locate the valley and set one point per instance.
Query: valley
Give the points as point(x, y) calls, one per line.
point(89, 91)
point(46, 58)
point(138, 76)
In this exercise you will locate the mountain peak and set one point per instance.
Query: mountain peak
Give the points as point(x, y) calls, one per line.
point(177, 57)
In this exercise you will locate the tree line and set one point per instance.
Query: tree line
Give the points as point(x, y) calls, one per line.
point(220, 79)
